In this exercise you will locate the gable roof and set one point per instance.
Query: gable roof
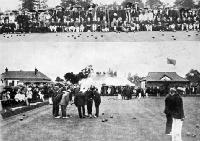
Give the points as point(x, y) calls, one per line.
point(157, 76)
point(25, 76)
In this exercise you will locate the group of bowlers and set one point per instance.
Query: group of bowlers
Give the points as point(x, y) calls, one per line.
point(86, 97)
point(174, 114)
point(61, 97)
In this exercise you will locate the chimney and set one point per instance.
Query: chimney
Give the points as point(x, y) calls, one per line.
point(36, 71)
point(6, 70)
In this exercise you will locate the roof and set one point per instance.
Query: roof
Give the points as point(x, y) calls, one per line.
point(25, 76)
point(165, 76)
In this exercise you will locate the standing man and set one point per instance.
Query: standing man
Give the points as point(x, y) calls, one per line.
point(97, 101)
point(64, 102)
point(177, 116)
point(168, 111)
point(79, 101)
point(56, 97)
point(90, 96)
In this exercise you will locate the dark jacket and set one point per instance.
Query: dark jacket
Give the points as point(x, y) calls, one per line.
point(79, 99)
point(97, 98)
point(89, 95)
point(168, 104)
point(56, 97)
point(177, 104)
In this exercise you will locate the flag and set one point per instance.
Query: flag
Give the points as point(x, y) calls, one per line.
point(171, 61)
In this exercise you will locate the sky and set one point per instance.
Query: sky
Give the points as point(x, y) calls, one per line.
point(13, 4)
point(57, 58)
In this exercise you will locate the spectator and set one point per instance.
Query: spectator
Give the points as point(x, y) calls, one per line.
point(96, 19)
point(41, 95)
point(20, 97)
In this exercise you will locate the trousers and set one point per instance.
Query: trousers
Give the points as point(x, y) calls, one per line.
point(63, 110)
point(89, 107)
point(81, 111)
point(168, 124)
point(97, 110)
point(55, 110)
point(176, 129)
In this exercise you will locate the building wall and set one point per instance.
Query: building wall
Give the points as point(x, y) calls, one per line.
point(170, 84)
point(11, 82)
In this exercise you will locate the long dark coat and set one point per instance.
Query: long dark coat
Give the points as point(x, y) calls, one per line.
point(168, 104)
point(97, 98)
point(79, 99)
point(177, 104)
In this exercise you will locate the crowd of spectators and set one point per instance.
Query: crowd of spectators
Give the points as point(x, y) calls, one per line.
point(100, 19)
point(23, 95)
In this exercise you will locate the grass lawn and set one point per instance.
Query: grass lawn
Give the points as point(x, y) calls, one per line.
point(133, 120)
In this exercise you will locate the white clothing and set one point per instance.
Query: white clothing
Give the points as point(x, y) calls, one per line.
point(139, 96)
point(176, 129)
point(20, 97)
point(119, 97)
point(41, 96)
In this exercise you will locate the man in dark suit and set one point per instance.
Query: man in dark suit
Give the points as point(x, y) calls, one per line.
point(177, 116)
point(97, 101)
point(168, 111)
point(79, 101)
point(89, 97)
point(56, 97)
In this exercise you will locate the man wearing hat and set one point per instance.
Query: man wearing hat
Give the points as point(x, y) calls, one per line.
point(177, 116)
point(56, 98)
point(64, 102)
point(97, 101)
point(90, 97)
point(168, 111)
point(79, 101)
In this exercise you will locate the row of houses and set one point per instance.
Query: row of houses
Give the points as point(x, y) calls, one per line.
point(153, 79)
point(14, 78)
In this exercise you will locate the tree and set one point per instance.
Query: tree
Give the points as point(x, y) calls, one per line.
point(184, 3)
point(27, 4)
point(140, 3)
point(75, 78)
point(134, 79)
point(193, 76)
point(34, 4)
point(42, 4)
point(67, 3)
point(58, 79)
point(153, 3)
point(198, 5)
point(70, 76)
point(87, 71)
